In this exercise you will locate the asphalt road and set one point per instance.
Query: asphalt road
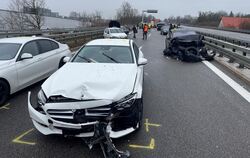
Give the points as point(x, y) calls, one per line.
point(200, 116)
point(235, 35)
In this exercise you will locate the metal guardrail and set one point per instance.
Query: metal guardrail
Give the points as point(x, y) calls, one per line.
point(235, 53)
point(77, 39)
point(12, 33)
point(73, 37)
point(222, 29)
point(239, 42)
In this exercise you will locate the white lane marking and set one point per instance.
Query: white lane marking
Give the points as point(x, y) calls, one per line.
point(140, 48)
point(149, 35)
point(238, 88)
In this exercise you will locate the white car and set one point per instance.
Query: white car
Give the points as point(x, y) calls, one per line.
point(27, 60)
point(103, 79)
point(114, 32)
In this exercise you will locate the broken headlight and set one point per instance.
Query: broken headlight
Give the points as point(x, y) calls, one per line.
point(126, 102)
point(41, 98)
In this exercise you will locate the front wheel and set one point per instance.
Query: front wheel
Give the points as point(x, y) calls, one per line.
point(140, 115)
point(4, 92)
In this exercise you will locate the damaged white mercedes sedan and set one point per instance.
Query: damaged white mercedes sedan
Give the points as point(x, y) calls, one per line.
point(103, 81)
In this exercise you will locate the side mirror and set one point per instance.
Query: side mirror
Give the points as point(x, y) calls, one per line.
point(26, 56)
point(66, 59)
point(142, 61)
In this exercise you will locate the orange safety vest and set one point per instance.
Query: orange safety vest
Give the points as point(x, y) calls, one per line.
point(145, 28)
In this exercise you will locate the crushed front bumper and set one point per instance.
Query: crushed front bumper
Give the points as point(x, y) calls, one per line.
point(47, 125)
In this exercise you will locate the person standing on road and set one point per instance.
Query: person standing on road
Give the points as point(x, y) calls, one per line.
point(171, 27)
point(134, 31)
point(145, 31)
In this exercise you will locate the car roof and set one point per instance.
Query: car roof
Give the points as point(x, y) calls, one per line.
point(183, 32)
point(109, 42)
point(114, 28)
point(20, 40)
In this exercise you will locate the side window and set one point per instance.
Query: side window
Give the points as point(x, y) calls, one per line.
point(44, 46)
point(54, 45)
point(136, 50)
point(30, 48)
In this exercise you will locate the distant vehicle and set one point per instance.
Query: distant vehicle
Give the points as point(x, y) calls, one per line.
point(103, 80)
point(186, 45)
point(27, 60)
point(114, 23)
point(164, 30)
point(159, 25)
point(125, 29)
point(114, 32)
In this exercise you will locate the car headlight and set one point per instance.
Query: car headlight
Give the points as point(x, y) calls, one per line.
point(126, 102)
point(41, 98)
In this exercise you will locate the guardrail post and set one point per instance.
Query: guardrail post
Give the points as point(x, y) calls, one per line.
point(75, 39)
point(220, 54)
point(241, 65)
point(91, 35)
point(231, 60)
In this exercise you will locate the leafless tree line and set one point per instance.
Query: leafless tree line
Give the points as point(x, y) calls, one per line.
point(127, 15)
point(17, 19)
point(209, 18)
point(28, 14)
point(89, 19)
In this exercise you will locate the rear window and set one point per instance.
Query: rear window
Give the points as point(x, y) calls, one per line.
point(104, 54)
point(116, 31)
point(54, 45)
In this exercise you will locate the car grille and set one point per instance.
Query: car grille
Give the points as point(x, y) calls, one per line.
point(80, 115)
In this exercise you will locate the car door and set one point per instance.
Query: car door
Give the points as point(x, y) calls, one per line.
point(28, 69)
point(49, 56)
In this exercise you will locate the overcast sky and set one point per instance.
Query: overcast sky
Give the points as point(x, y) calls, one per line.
point(166, 8)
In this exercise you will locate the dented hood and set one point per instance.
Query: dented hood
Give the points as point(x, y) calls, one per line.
point(83, 81)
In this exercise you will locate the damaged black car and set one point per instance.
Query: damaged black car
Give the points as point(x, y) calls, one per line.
point(186, 45)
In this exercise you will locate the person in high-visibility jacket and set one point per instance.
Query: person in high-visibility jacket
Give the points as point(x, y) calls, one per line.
point(145, 31)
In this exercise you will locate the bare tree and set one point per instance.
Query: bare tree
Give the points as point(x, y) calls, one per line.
point(35, 18)
point(126, 14)
point(92, 19)
point(25, 14)
point(15, 17)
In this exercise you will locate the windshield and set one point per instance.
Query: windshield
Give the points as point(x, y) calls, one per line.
point(180, 33)
point(8, 50)
point(116, 31)
point(165, 27)
point(104, 54)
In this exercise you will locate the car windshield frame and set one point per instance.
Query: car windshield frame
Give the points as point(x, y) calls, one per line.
point(114, 60)
point(17, 49)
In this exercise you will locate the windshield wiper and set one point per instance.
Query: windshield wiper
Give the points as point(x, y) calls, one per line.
point(110, 58)
point(87, 59)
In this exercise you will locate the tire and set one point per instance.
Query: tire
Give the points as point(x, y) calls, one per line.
point(4, 91)
point(180, 56)
point(140, 115)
